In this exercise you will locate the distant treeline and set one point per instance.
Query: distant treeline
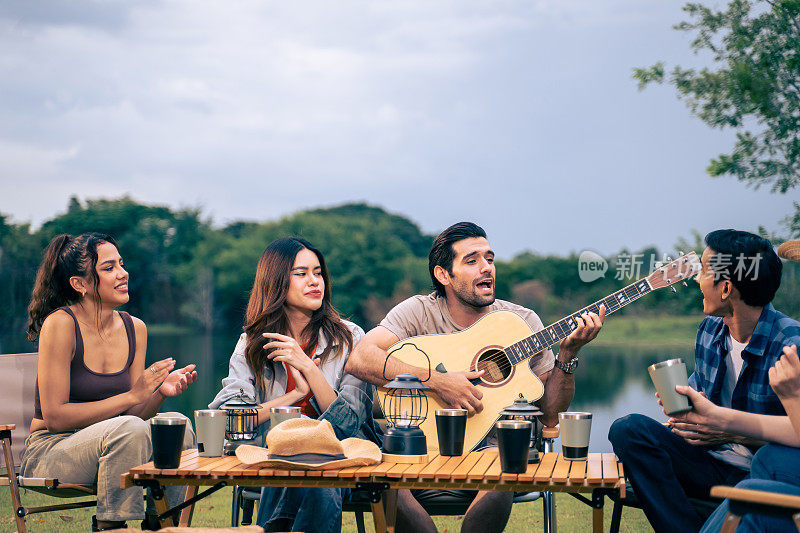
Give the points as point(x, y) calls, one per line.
point(188, 273)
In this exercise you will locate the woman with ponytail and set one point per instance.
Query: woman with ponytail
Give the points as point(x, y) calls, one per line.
point(292, 352)
point(93, 392)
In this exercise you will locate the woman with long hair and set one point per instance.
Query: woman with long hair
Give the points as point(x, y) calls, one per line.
point(292, 352)
point(93, 392)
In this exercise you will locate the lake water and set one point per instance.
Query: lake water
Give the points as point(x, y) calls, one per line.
point(609, 383)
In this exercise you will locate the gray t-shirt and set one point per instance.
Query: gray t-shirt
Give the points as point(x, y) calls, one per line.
point(428, 314)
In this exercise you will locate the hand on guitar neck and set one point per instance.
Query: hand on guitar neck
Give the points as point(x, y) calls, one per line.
point(589, 325)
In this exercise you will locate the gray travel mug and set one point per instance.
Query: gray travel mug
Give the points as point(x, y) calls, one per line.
point(665, 376)
point(210, 424)
point(281, 414)
point(574, 429)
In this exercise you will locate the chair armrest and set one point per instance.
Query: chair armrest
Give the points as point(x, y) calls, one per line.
point(7, 427)
point(757, 496)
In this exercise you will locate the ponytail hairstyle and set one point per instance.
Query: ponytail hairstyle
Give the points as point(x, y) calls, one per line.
point(266, 312)
point(66, 256)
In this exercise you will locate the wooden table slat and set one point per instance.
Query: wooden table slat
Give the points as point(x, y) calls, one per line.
point(398, 470)
point(493, 472)
point(561, 470)
point(594, 468)
point(190, 466)
point(548, 462)
point(610, 472)
point(348, 472)
point(477, 471)
point(414, 470)
point(381, 468)
point(466, 465)
point(577, 473)
point(430, 470)
point(446, 469)
point(298, 473)
point(527, 477)
point(220, 468)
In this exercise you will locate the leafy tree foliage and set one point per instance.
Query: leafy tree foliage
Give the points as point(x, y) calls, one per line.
point(754, 87)
point(186, 272)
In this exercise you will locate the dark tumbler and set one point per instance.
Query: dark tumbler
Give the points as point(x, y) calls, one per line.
point(167, 437)
point(513, 441)
point(451, 424)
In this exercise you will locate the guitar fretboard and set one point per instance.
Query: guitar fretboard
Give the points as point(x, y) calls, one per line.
point(558, 331)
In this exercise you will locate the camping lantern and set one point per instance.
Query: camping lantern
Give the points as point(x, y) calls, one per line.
point(242, 421)
point(405, 407)
point(522, 409)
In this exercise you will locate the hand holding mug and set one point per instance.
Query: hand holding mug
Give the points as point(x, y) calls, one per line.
point(700, 426)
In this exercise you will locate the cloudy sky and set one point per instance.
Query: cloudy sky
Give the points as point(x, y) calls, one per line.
point(519, 115)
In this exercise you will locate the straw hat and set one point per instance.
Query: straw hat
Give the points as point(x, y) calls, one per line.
point(790, 250)
point(304, 443)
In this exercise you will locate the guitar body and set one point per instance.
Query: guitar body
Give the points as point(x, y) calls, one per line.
point(479, 347)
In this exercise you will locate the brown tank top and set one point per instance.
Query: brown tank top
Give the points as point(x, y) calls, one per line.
point(86, 385)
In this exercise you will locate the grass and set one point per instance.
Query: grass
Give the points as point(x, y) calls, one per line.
point(215, 511)
point(649, 332)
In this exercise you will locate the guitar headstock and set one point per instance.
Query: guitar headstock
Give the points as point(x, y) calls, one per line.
point(682, 269)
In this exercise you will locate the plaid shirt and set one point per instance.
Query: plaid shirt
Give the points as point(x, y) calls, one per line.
point(753, 394)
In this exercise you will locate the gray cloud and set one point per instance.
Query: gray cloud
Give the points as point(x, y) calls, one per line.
point(521, 115)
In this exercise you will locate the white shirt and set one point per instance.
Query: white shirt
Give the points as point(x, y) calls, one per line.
point(732, 453)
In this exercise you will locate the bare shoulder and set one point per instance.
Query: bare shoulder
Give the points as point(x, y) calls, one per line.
point(139, 326)
point(57, 336)
point(58, 323)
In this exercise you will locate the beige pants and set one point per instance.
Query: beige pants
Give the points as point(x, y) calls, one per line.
point(99, 455)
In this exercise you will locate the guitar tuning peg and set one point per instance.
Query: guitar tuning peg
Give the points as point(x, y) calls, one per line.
point(673, 288)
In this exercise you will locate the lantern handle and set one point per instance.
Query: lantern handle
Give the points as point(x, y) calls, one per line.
point(389, 354)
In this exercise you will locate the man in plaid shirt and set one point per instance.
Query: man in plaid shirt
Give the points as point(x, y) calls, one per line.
point(737, 343)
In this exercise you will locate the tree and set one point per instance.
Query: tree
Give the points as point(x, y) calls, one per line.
point(754, 87)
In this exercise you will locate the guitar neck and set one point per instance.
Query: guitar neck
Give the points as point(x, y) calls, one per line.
point(560, 330)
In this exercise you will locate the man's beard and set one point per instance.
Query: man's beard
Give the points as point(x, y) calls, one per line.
point(472, 299)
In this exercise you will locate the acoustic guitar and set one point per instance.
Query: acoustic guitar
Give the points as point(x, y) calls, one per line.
point(501, 344)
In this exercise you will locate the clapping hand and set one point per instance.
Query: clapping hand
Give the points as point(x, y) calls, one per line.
point(178, 381)
point(151, 378)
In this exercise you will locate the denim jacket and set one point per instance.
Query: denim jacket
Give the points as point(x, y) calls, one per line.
point(350, 414)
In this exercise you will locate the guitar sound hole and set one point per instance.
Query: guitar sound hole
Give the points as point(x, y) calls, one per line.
point(496, 365)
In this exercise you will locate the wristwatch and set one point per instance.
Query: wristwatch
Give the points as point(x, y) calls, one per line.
point(568, 368)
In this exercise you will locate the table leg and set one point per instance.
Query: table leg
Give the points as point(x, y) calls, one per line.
point(186, 514)
point(379, 517)
point(160, 500)
point(598, 500)
point(390, 499)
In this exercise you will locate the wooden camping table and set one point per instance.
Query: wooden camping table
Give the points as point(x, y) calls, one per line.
point(599, 475)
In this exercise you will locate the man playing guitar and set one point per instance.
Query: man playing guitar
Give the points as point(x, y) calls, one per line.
point(461, 265)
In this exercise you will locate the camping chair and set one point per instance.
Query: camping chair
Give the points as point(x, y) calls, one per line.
point(17, 381)
point(756, 501)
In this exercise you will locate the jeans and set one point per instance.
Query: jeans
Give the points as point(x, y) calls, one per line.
point(665, 471)
point(775, 468)
point(98, 455)
point(310, 510)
